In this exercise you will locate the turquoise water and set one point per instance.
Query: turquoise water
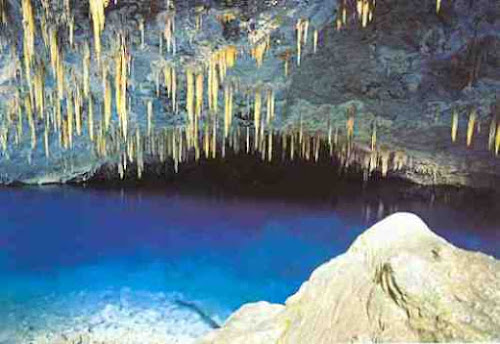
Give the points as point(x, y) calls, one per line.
point(64, 248)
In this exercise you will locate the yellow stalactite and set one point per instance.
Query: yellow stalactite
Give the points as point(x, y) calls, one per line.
point(199, 96)
point(228, 115)
point(258, 52)
point(315, 41)
point(28, 37)
point(86, 70)
point(90, 120)
point(121, 80)
point(374, 137)
point(167, 76)
point(470, 127)
point(366, 9)
point(98, 18)
point(3, 12)
point(69, 119)
point(454, 126)
point(497, 140)
point(39, 90)
point(257, 108)
point(214, 139)
point(206, 141)
point(438, 6)
point(231, 53)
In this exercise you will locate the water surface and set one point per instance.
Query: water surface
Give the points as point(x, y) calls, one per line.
point(64, 247)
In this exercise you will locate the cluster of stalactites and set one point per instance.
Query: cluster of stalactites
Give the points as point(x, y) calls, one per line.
point(302, 28)
point(472, 126)
point(364, 11)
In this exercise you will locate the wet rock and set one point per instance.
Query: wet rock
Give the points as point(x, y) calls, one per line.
point(397, 282)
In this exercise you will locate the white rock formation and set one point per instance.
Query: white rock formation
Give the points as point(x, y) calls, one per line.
point(398, 282)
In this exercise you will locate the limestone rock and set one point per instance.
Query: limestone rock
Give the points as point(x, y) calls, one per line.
point(398, 282)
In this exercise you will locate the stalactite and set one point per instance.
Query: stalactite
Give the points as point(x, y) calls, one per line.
point(39, 86)
point(257, 108)
point(315, 41)
point(317, 143)
point(78, 112)
point(46, 142)
point(86, 70)
point(199, 96)
point(71, 31)
point(141, 30)
point(351, 112)
point(247, 140)
point(3, 12)
point(268, 106)
point(206, 140)
point(168, 33)
point(364, 16)
point(228, 114)
point(90, 119)
point(259, 50)
point(299, 28)
point(270, 145)
point(214, 138)
point(28, 37)
point(374, 137)
point(149, 118)
point(497, 140)
point(98, 18)
point(121, 81)
point(491, 134)
point(454, 126)
point(139, 157)
point(470, 127)
point(438, 6)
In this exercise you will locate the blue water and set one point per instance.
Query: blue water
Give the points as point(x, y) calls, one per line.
point(218, 252)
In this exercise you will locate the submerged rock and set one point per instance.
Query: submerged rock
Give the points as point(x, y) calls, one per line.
point(398, 282)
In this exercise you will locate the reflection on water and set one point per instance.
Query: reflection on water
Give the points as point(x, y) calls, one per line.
point(60, 245)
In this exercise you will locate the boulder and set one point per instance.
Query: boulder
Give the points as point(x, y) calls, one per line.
point(398, 281)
